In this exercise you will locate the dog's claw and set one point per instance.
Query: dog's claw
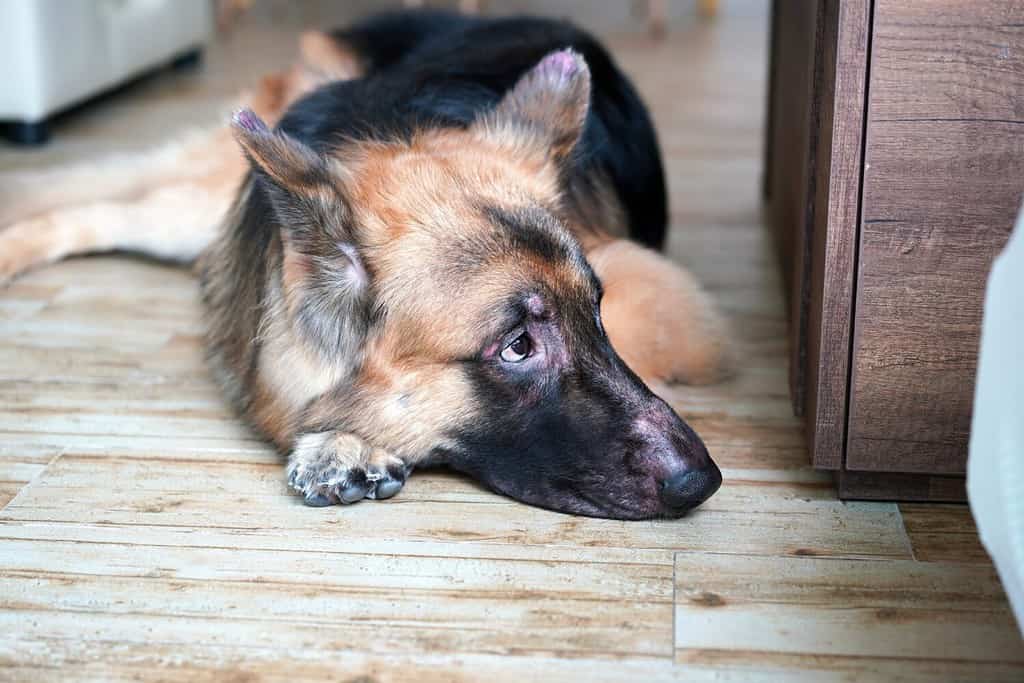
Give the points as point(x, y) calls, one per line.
point(317, 500)
point(387, 482)
point(354, 491)
point(387, 488)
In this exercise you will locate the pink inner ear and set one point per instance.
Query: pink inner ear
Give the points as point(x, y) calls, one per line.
point(247, 120)
point(564, 62)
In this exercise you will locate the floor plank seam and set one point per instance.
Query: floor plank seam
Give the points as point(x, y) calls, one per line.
point(854, 657)
point(906, 535)
point(302, 552)
point(675, 616)
point(34, 478)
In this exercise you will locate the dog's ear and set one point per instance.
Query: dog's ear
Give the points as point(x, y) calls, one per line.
point(304, 188)
point(289, 163)
point(323, 276)
point(547, 107)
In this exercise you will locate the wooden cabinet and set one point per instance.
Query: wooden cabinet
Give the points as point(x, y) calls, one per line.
point(894, 171)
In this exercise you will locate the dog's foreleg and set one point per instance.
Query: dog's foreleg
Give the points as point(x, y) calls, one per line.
point(173, 223)
point(657, 316)
point(328, 468)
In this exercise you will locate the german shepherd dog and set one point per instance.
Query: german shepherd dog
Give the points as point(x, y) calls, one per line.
point(419, 257)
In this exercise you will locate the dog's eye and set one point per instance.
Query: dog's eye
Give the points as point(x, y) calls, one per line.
point(520, 349)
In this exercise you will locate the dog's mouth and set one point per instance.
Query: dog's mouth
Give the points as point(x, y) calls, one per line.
point(616, 496)
point(608, 507)
point(655, 499)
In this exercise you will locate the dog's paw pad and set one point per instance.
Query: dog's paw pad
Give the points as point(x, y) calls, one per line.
point(353, 488)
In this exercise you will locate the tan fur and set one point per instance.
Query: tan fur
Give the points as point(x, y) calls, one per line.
point(545, 110)
point(658, 318)
point(656, 314)
point(291, 374)
point(329, 58)
point(405, 408)
point(173, 220)
point(409, 198)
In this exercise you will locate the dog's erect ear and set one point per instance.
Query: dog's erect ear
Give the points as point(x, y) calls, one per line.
point(304, 187)
point(292, 165)
point(548, 105)
point(324, 279)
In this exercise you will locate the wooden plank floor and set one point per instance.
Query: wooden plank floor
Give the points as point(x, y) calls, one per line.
point(146, 534)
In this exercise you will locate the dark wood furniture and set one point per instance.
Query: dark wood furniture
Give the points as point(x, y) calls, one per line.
point(894, 171)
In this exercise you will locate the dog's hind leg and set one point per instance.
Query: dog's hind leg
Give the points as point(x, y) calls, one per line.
point(164, 202)
point(174, 222)
point(25, 194)
point(658, 318)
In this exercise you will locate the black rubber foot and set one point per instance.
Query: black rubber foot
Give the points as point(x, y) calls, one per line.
point(189, 60)
point(24, 133)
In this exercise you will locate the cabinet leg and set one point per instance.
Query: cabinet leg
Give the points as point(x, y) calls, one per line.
point(188, 60)
point(26, 132)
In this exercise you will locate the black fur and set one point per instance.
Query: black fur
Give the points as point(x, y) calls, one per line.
point(431, 69)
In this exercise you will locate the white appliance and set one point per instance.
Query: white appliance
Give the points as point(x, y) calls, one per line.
point(995, 464)
point(57, 53)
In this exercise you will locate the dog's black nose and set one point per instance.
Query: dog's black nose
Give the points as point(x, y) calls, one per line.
point(690, 488)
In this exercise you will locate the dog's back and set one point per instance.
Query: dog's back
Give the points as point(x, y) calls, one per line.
point(431, 69)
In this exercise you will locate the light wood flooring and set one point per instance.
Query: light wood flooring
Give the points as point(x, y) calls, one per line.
point(145, 533)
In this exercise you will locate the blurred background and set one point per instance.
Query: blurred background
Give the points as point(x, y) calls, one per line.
point(89, 77)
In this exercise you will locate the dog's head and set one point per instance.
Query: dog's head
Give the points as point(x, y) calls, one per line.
point(442, 268)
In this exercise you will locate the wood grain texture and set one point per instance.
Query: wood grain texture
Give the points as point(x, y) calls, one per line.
point(943, 533)
point(900, 486)
point(943, 182)
point(813, 152)
point(861, 620)
point(833, 233)
point(790, 150)
point(804, 519)
point(153, 537)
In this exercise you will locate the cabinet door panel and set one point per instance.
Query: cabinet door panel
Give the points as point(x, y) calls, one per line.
point(943, 181)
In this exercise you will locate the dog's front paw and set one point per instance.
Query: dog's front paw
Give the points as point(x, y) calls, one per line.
point(328, 468)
